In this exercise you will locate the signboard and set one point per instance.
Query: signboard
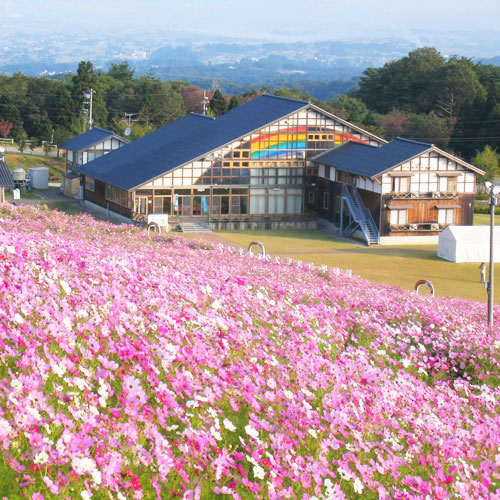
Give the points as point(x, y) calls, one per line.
point(176, 202)
point(160, 219)
point(204, 204)
point(16, 194)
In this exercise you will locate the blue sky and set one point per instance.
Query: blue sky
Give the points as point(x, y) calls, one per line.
point(282, 19)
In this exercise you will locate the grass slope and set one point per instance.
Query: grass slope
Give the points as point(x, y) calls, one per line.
point(136, 367)
point(395, 265)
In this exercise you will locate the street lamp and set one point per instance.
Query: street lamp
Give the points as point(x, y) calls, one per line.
point(493, 189)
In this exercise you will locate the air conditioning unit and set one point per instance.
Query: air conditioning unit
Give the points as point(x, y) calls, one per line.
point(434, 227)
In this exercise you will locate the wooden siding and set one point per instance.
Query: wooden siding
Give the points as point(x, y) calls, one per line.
point(425, 212)
point(98, 197)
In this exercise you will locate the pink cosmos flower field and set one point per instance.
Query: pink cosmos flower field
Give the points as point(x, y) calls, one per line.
point(136, 367)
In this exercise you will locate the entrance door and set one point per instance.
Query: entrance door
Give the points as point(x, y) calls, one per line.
point(142, 205)
point(200, 205)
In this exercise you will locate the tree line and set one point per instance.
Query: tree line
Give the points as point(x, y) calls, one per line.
point(43, 109)
point(452, 102)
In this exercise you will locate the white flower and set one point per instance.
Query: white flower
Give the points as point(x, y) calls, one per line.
point(344, 474)
point(86, 495)
point(97, 477)
point(251, 431)
point(271, 383)
point(41, 458)
point(358, 486)
point(288, 394)
point(215, 433)
point(120, 496)
point(65, 286)
point(18, 318)
point(259, 472)
point(228, 425)
point(312, 433)
point(406, 363)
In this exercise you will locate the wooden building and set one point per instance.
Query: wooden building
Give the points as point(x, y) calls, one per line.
point(404, 188)
point(86, 147)
point(6, 180)
point(247, 168)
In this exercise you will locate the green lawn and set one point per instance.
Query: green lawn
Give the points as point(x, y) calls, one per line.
point(484, 219)
point(396, 265)
point(63, 206)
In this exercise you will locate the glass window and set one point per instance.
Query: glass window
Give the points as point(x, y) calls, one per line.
point(400, 184)
point(89, 183)
point(398, 217)
point(446, 215)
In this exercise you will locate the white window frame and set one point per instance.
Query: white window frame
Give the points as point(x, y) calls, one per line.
point(401, 184)
point(446, 215)
point(398, 217)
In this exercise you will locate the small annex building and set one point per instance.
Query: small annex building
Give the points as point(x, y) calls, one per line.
point(468, 244)
point(86, 147)
point(6, 180)
point(403, 188)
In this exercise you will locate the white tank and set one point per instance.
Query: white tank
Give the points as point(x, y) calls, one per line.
point(18, 174)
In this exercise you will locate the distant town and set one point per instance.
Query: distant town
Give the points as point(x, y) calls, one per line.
point(237, 64)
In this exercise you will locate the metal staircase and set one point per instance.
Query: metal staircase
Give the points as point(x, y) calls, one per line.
point(359, 216)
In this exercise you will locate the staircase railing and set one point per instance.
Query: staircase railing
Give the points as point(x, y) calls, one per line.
point(361, 216)
point(368, 215)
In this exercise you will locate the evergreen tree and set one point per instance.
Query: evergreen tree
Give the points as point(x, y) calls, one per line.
point(218, 104)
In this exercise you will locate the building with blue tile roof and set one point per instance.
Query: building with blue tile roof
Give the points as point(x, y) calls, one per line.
point(279, 162)
point(246, 167)
point(403, 188)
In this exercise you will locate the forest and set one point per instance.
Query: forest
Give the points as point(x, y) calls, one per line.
point(451, 102)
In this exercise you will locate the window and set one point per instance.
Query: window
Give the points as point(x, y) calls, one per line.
point(325, 200)
point(89, 183)
point(400, 184)
point(116, 195)
point(452, 184)
point(446, 215)
point(398, 217)
point(310, 197)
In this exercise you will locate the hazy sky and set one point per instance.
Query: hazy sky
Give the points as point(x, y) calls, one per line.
point(292, 19)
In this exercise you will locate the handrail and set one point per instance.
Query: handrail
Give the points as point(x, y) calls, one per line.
point(368, 214)
point(365, 219)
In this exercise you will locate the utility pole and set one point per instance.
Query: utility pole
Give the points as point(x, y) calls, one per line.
point(128, 118)
point(205, 102)
point(89, 96)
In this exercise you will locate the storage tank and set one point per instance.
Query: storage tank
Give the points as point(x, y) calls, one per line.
point(19, 174)
point(39, 177)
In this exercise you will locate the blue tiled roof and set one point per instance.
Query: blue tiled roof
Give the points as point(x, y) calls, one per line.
point(88, 139)
point(6, 179)
point(184, 140)
point(370, 161)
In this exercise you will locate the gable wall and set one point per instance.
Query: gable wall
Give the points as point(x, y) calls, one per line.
point(424, 171)
point(283, 149)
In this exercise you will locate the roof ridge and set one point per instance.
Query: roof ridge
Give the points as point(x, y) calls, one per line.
point(203, 116)
point(413, 141)
point(101, 128)
point(285, 98)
